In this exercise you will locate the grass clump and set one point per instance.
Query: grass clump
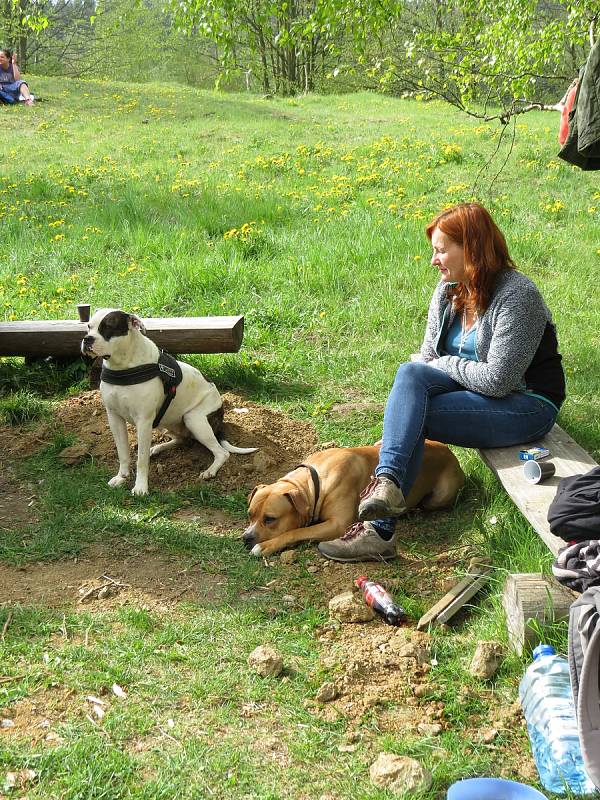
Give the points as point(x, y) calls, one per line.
point(23, 408)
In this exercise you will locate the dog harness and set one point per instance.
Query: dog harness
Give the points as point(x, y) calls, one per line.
point(167, 369)
point(317, 486)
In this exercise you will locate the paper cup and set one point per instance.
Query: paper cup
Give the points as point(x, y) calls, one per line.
point(83, 309)
point(538, 471)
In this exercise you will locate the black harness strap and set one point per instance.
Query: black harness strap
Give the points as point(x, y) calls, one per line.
point(167, 369)
point(317, 486)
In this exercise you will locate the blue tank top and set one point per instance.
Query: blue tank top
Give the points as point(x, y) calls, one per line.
point(459, 344)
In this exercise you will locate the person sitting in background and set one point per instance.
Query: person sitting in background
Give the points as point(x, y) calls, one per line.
point(489, 373)
point(12, 86)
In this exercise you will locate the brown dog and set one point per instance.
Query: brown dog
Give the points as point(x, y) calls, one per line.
point(292, 510)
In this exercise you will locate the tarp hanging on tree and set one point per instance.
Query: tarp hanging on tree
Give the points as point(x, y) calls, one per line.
point(582, 147)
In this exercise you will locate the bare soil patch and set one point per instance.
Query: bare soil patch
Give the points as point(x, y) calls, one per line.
point(282, 443)
point(148, 579)
point(17, 499)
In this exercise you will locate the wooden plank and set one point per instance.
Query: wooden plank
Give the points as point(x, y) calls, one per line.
point(62, 338)
point(533, 500)
point(463, 597)
point(477, 568)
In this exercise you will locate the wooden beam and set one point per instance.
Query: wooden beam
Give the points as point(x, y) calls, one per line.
point(532, 601)
point(62, 338)
point(534, 499)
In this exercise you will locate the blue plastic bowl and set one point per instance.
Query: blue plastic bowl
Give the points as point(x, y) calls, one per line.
point(492, 789)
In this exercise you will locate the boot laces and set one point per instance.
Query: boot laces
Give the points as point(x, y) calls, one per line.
point(370, 488)
point(353, 531)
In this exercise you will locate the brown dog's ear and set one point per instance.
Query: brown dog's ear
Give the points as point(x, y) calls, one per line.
point(300, 502)
point(254, 491)
point(137, 323)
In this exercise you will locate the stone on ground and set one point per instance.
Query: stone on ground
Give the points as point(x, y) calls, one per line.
point(349, 607)
point(266, 661)
point(486, 660)
point(400, 774)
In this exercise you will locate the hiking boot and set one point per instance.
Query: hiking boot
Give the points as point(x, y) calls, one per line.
point(381, 499)
point(361, 542)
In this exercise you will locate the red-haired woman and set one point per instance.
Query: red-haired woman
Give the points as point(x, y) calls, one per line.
point(489, 373)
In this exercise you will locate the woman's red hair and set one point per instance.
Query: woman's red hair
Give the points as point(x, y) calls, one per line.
point(485, 251)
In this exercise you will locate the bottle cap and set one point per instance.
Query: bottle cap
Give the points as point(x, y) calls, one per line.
point(543, 650)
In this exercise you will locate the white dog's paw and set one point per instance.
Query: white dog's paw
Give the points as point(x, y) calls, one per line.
point(208, 474)
point(256, 550)
point(138, 489)
point(118, 480)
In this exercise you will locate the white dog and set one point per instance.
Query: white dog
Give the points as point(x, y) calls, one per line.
point(136, 384)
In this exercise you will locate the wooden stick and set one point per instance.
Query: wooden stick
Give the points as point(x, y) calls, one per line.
point(463, 598)
point(116, 583)
point(477, 569)
point(6, 624)
point(93, 590)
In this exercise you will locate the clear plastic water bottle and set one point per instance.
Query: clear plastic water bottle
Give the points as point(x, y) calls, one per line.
point(547, 701)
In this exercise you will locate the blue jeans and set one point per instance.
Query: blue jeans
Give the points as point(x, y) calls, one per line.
point(426, 403)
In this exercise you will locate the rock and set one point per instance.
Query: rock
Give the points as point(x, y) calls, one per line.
point(348, 607)
point(266, 661)
point(6, 723)
point(327, 692)
point(486, 660)
point(421, 690)
point(288, 557)
point(261, 462)
point(429, 728)
point(54, 738)
point(19, 779)
point(487, 735)
point(73, 454)
point(288, 599)
point(312, 569)
point(410, 650)
point(400, 774)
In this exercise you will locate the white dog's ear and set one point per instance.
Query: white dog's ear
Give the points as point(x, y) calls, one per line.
point(137, 323)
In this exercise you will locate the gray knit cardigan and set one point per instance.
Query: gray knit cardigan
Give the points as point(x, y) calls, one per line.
point(507, 338)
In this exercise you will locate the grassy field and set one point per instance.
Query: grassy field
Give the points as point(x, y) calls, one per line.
point(307, 216)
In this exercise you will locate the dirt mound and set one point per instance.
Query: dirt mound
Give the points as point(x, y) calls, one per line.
point(283, 442)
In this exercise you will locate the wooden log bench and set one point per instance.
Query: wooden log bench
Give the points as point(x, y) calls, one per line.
point(62, 338)
point(533, 600)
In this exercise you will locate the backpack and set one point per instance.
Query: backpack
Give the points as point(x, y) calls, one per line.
point(574, 514)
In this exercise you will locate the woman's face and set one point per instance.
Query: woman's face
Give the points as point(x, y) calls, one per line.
point(4, 60)
point(448, 257)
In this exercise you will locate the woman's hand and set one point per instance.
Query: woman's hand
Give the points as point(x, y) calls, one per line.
point(14, 59)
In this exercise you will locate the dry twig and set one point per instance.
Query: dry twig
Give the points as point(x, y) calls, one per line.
point(6, 624)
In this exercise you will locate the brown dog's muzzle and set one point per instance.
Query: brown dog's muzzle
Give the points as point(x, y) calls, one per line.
point(249, 537)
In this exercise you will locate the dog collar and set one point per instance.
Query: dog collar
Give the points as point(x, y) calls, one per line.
point(317, 487)
point(166, 368)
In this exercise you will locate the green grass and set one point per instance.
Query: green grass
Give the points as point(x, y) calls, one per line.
point(307, 216)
